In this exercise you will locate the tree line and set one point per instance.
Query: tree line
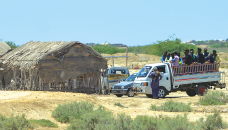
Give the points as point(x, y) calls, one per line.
point(158, 48)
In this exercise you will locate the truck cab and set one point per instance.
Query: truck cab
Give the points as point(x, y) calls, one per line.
point(142, 81)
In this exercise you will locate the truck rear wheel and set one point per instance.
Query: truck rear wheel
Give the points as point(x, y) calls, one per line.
point(119, 95)
point(130, 93)
point(162, 92)
point(201, 89)
point(191, 93)
point(149, 95)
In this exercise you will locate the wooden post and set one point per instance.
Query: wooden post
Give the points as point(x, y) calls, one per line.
point(30, 79)
point(40, 83)
point(21, 80)
point(25, 78)
point(112, 61)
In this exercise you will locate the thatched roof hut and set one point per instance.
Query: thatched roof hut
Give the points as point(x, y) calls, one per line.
point(3, 48)
point(53, 65)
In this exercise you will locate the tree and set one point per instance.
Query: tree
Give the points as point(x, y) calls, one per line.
point(11, 44)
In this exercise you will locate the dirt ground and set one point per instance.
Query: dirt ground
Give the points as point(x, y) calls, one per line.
point(39, 104)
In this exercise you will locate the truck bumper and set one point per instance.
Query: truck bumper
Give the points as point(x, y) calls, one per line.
point(221, 85)
point(119, 91)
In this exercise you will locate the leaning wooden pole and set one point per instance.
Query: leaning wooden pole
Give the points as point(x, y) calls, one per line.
point(126, 56)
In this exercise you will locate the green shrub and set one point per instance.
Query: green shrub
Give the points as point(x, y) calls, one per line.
point(171, 106)
point(15, 123)
point(63, 113)
point(44, 123)
point(143, 122)
point(120, 105)
point(107, 49)
point(214, 98)
point(99, 119)
point(212, 122)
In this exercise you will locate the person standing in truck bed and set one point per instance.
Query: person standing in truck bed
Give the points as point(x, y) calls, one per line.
point(156, 77)
point(216, 57)
point(200, 57)
point(205, 54)
point(188, 57)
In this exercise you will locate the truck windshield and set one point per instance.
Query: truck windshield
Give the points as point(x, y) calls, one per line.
point(144, 71)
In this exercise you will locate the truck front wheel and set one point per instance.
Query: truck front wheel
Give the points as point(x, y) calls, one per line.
point(119, 95)
point(162, 92)
point(191, 92)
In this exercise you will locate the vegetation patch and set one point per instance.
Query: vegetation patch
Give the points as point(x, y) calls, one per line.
point(120, 105)
point(171, 106)
point(100, 118)
point(212, 122)
point(63, 113)
point(44, 123)
point(214, 98)
point(15, 123)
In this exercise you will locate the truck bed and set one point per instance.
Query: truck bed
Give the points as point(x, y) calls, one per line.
point(196, 78)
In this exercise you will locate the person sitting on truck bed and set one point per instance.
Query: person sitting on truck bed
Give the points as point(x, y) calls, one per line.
point(194, 58)
point(164, 56)
point(180, 59)
point(156, 77)
point(200, 57)
point(210, 58)
point(168, 58)
point(188, 57)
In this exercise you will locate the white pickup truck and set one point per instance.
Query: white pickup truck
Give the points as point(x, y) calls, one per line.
point(194, 79)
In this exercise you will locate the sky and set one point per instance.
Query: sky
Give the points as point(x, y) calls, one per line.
point(130, 22)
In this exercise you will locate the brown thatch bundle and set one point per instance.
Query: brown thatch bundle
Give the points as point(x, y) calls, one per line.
point(48, 62)
point(4, 48)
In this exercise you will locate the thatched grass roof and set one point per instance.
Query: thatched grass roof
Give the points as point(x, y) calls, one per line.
point(4, 48)
point(28, 55)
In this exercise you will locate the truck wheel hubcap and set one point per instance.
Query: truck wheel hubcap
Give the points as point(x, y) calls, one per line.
point(201, 90)
point(161, 93)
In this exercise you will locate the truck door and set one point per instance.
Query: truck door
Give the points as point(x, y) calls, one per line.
point(165, 76)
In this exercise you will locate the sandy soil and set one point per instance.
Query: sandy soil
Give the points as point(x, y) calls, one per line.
point(39, 105)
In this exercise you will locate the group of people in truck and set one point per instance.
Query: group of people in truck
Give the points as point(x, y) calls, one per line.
point(190, 58)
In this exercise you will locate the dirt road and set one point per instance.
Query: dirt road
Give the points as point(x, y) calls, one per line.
point(39, 105)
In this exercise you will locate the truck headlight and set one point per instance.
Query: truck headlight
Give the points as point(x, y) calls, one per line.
point(144, 84)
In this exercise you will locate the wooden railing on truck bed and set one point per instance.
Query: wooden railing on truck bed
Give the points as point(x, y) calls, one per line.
point(195, 68)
